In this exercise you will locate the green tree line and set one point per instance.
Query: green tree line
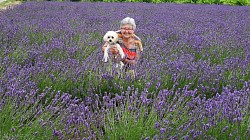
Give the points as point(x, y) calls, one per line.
point(226, 2)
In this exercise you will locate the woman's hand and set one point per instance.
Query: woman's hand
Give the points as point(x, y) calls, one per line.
point(103, 48)
point(113, 50)
point(133, 62)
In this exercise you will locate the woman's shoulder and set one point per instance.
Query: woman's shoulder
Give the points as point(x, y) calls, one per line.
point(137, 38)
point(119, 33)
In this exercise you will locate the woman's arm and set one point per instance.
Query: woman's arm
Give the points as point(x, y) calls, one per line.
point(113, 50)
point(139, 44)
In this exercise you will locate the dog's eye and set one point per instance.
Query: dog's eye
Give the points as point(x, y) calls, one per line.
point(108, 36)
point(112, 37)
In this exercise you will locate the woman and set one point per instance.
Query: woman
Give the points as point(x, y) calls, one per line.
point(130, 43)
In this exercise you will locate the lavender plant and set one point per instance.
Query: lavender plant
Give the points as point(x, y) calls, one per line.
point(24, 118)
point(192, 81)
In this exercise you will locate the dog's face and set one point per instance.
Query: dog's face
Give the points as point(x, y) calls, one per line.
point(110, 37)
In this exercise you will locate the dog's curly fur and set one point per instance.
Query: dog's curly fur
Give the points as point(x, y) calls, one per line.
point(111, 38)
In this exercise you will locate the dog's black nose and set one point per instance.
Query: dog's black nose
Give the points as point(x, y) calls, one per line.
point(110, 40)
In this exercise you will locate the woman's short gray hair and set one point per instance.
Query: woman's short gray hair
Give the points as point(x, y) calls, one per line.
point(129, 21)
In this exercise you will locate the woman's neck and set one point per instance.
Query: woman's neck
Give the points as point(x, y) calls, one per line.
point(125, 39)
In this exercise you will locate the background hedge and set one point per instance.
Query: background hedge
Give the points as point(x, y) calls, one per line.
point(228, 2)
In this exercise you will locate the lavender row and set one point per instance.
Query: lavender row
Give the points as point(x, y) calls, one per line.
point(170, 114)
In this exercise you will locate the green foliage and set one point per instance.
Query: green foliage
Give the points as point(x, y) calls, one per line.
point(7, 3)
point(22, 122)
point(124, 123)
point(228, 130)
point(59, 81)
point(228, 2)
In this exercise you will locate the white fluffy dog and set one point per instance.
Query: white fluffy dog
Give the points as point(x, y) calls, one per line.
point(111, 39)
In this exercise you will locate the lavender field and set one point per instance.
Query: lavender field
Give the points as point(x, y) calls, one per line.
point(192, 81)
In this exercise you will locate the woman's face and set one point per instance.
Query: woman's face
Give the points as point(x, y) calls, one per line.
point(127, 31)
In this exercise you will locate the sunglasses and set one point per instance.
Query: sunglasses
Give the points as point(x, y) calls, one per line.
point(127, 29)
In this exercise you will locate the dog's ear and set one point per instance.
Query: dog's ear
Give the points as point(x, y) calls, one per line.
point(105, 37)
